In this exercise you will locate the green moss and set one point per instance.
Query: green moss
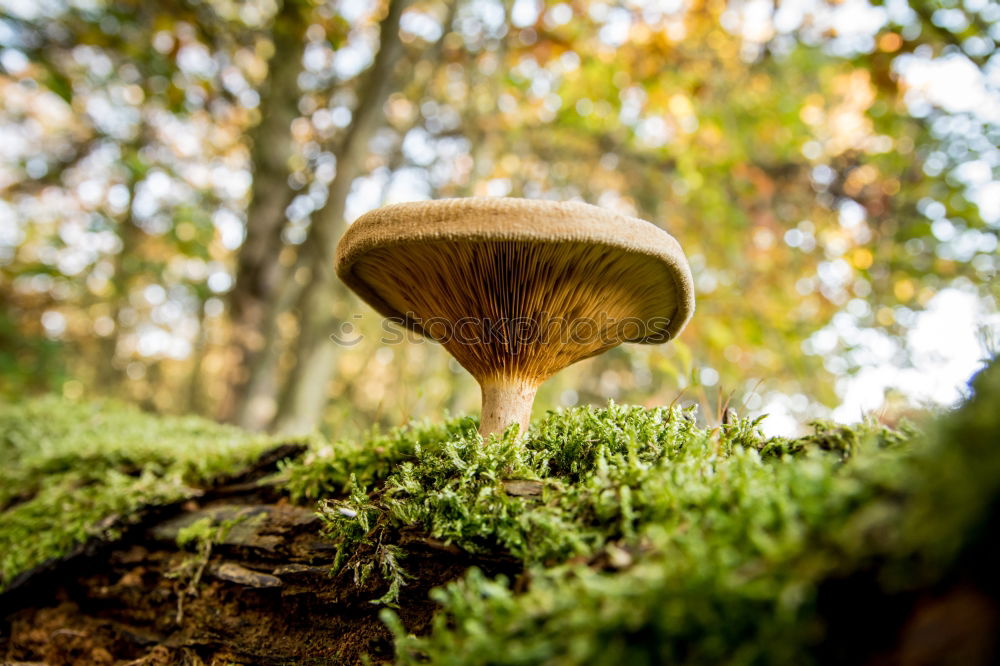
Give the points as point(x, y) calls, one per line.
point(708, 552)
point(70, 469)
point(205, 532)
point(328, 469)
point(645, 537)
point(654, 540)
point(606, 475)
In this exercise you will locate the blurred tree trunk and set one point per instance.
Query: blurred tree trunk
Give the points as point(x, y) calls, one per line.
point(194, 400)
point(109, 372)
point(258, 274)
point(305, 393)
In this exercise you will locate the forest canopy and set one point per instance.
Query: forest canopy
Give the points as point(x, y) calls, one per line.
point(175, 177)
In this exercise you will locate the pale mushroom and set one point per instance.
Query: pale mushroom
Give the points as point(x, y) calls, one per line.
point(517, 289)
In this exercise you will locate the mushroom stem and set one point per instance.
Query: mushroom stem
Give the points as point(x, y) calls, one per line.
point(506, 401)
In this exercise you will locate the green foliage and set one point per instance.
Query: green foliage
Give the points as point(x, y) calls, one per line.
point(605, 476)
point(27, 363)
point(957, 476)
point(654, 540)
point(203, 533)
point(840, 180)
point(729, 549)
point(70, 470)
point(645, 537)
point(359, 526)
point(329, 469)
point(842, 440)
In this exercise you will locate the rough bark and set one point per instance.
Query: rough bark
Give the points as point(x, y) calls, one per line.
point(258, 272)
point(262, 594)
point(306, 388)
point(260, 395)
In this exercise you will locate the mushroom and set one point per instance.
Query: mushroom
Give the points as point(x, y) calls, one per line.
point(517, 289)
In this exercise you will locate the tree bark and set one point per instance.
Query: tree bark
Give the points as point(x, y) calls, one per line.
point(109, 372)
point(258, 272)
point(306, 388)
point(260, 592)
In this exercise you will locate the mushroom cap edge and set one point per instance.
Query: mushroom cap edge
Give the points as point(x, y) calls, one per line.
point(510, 219)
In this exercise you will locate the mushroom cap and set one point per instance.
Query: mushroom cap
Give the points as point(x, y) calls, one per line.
point(493, 258)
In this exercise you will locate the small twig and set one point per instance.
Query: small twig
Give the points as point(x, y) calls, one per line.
point(192, 586)
point(523, 487)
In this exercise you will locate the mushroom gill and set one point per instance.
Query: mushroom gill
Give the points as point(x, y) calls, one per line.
point(516, 305)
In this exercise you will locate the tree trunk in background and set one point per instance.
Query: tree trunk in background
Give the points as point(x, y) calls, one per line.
point(251, 398)
point(195, 398)
point(305, 393)
point(109, 374)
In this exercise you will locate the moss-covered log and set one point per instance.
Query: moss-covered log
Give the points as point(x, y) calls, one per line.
point(230, 580)
point(606, 536)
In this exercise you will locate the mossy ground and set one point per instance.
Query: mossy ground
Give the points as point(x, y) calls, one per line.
point(72, 471)
point(642, 536)
point(654, 540)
